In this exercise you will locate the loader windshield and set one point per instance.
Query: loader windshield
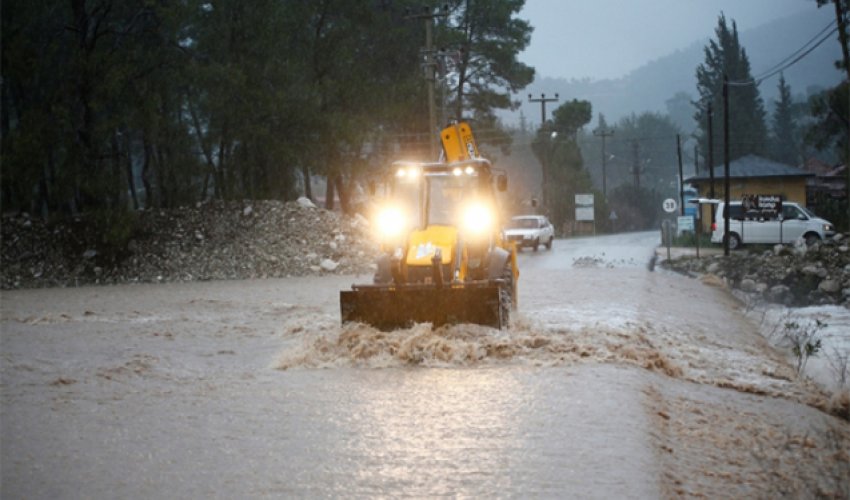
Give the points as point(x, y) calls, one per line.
point(446, 195)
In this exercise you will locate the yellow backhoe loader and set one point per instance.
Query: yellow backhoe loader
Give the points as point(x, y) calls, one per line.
point(443, 260)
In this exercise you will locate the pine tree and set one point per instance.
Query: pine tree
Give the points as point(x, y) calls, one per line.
point(784, 143)
point(747, 130)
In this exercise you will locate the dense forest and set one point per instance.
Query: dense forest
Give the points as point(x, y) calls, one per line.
point(118, 104)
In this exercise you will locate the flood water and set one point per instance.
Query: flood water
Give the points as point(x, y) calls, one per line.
point(252, 389)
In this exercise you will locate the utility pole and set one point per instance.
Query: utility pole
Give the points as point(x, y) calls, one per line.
point(696, 159)
point(726, 199)
point(711, 160)
point(545, 163)
point(636, 163)
point(603, 133)
point(543, 100)
point(681, 178)
point(429, 66)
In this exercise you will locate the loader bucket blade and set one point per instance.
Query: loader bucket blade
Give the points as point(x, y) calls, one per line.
point(392, 308)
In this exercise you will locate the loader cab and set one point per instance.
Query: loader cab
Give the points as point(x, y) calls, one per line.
point(445, 194)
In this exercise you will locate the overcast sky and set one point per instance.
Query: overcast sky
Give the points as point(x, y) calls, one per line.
point(609, 38)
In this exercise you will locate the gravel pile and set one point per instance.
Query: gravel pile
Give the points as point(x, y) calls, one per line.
point(211, 241)
point(791, 275)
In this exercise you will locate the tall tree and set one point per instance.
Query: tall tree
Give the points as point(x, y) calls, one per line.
point(644, 150)
point(557, 151)
point(831, 129)
point(747, 130)
point(784, 143)
point(832, 109)
point(571, 116)
point(842, 7)
point(488, 38)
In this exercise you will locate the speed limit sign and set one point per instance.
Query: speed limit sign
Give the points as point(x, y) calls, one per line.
point(669, 205)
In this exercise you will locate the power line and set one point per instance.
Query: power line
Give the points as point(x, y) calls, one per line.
point(793, 54)
point(757, 80)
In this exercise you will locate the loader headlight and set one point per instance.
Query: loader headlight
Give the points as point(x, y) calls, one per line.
point(390, 222)
point(408, 173)
point(478, 218)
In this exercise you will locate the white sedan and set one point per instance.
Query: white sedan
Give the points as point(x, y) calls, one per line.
point(530, 231)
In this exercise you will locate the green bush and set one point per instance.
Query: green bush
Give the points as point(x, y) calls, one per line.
point(832, 210)
point(689, 239)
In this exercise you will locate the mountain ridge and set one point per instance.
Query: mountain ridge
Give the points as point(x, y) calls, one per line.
point(648, 87)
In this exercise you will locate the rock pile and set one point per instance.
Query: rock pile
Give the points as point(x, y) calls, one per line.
point(791, 275)
point(211, 241)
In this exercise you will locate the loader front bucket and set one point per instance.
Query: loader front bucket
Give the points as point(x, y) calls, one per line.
point(389, 308)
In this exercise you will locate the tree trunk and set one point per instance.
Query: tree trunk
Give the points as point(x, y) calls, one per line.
point(131, 180)
point(221, 187)
point(146, 174)
point(164, 191)
point(205, 148)
point(120, 198)
point(343, 192)
point(329, 192)
point(308, 188)
point(44, 195)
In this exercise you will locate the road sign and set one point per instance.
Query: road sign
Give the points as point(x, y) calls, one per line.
point(684, 223)
point(584, 207)
point(584, 200)
point(670, 205)
point(584, 213)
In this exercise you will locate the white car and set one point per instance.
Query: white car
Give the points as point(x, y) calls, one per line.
point(530, 231)
point(792, 223)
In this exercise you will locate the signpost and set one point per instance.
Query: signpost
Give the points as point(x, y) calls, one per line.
point(584, 209)
point(684, 223)
point(669, 206)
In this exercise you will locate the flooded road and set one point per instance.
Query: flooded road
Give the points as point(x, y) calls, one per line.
point(613, 381)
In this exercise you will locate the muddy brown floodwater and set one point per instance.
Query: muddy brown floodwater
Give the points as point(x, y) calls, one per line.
point(613, 381)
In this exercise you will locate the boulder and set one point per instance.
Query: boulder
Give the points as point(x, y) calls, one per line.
point(328, 265)
point(748, 285)
point(829, 286)
point(305, 202)
point(779, 293)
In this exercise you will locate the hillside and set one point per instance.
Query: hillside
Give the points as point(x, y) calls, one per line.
point(648, 87)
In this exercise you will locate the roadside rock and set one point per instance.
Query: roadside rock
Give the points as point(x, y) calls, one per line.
point(829, 286)
point(208, 241)
point(748, 285)
point(792, 275)
point(328, 265)
point(778, 293)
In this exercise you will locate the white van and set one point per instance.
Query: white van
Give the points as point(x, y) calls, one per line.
point(794, 222)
